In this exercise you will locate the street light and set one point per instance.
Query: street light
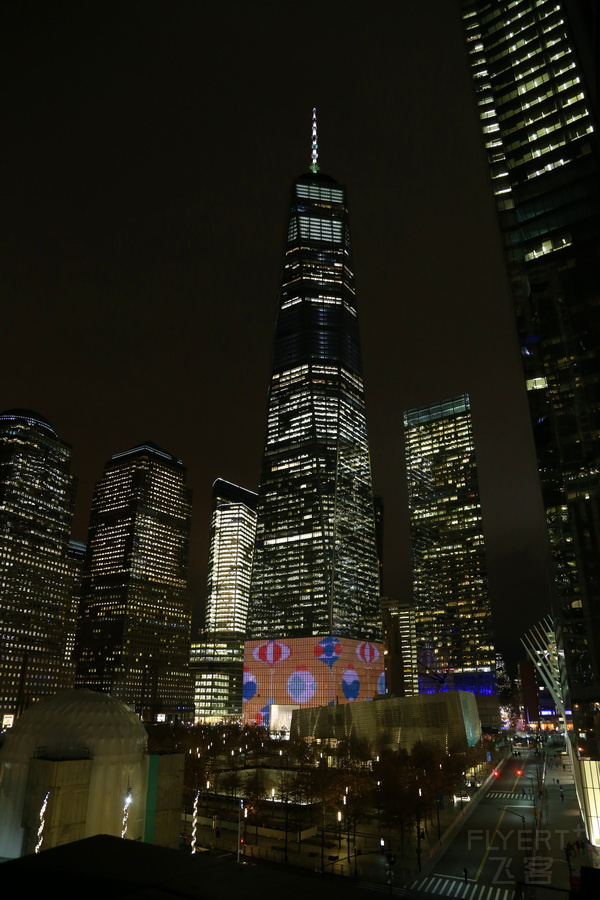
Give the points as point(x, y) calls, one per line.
point(239, 849)
point(419, 831)
point(520, 773)
point(522, 818)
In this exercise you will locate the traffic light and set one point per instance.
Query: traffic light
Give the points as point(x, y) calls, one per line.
point(496, 773)
point(519, 772)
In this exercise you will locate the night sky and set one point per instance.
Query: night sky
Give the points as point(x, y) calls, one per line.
point(149, 153)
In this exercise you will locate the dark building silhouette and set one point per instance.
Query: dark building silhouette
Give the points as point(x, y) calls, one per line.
point(37, 605)
point(133, 635)
point(534, 66)
point(315, 564)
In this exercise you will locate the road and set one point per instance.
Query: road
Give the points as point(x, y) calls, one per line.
point(515, 836)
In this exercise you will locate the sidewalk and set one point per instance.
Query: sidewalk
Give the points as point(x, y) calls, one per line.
point(561, 846)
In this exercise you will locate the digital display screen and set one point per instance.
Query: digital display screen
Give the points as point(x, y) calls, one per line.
point(309, 672)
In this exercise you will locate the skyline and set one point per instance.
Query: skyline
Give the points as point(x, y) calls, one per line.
point(131, 183)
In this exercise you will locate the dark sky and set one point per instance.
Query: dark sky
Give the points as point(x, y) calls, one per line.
point(150, 152)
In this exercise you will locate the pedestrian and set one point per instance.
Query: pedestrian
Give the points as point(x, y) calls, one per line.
point(557, 781)
point(564, 767)
point(562, 796)
point(465, 873)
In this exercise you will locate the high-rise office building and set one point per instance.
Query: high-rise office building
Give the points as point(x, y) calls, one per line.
point(315, 563)
point(37, 606)
point(534, 68)
point(217, 659)
point(400, 647)
point(133, 634)
point(452, 604)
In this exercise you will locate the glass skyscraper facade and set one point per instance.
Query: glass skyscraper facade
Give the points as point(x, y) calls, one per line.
point(315, 563)
point(531, 67)
point(232, 535)
point(217, 658)
point(452, 604)
point(37, 577)
point(133, 633)
point(400, 646)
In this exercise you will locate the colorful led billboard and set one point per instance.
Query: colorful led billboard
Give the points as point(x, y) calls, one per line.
point(309, 672)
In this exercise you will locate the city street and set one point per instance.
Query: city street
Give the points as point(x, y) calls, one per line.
point(516, 835)
point(523, 831)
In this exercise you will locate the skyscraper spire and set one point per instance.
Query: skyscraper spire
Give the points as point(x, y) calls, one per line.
point(314, 148)
point(315, 570)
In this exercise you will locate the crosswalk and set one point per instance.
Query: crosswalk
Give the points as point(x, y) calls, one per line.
point(463, 890)
point(508, 795)
point(382, 888)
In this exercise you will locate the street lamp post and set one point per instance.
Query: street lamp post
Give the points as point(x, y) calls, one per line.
point(521, 774)
point(285, 854)
point(437, 806)
point(522, 818)
point(239, 849)
point(347, 823)
point(529, 778)
point(322, 837)
point(419, 831)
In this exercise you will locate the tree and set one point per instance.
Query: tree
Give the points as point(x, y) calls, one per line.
point(254, 786)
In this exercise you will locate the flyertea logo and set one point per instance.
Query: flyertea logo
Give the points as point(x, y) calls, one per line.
point(532, 869)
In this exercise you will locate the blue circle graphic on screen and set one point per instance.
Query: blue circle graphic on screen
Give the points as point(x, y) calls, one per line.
point(301, 685)
point(350, 683)
point(328, 651)
point(249, 686)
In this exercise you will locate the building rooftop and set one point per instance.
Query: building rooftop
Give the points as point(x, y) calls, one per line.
point(29, 417)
